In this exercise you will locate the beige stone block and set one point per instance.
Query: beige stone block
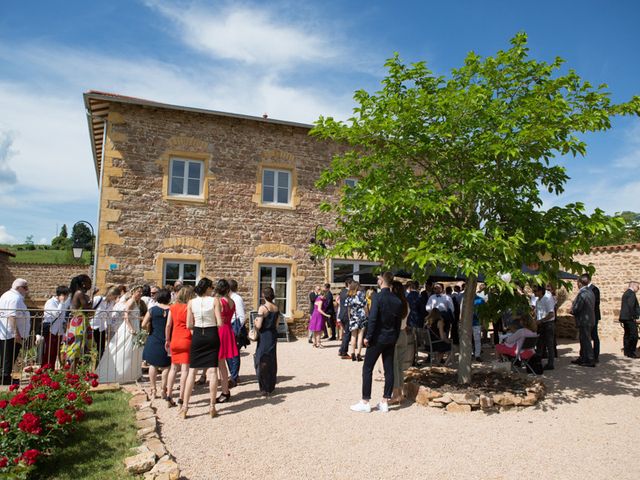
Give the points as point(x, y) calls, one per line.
point(486, 402)
point(156, 446)
point(465, 398)
point(147, 423)
point(137, 399)
point(144, 413)
point(111, 237)
point(116, 118)
point(145, 432)
point(141, 463)
point(454, 407)
point(111, 194)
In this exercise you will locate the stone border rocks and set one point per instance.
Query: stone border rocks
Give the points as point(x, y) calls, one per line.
point(151, 458)
point(455, 399)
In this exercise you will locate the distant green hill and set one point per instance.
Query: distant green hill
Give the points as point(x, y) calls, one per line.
point(42, 254)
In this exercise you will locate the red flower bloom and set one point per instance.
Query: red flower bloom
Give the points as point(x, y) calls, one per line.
point(62, 416)
point(30, 423)
point(94, 383)
point(30, 456)
point(79, 415)
point(87, 399)
point(13, 387)
point(42, 396)
point(67, 366)
point(19, 399)
point(46, 366)
point(4, 461)
point(54, 385)
point(28, 369)
point(28, 388)
point(71, 396)
point(3, 404)
point(4, 425)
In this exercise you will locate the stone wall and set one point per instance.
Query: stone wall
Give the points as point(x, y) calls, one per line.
point(615, 267)
point(43, 278)
point(5, 275)
point(229, 232)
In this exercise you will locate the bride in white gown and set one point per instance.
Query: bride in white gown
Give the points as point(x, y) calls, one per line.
point(122, 360)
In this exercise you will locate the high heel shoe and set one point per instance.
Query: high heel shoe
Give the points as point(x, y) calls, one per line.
point(223, 398)
point(183, 413)
point(353, 357)
point(359, 358)
point(170, 402)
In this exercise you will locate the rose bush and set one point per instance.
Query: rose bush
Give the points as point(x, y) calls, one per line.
point(34, 419)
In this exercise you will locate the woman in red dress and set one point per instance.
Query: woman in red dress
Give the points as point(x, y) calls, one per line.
point(178, 342)
point(224, 308)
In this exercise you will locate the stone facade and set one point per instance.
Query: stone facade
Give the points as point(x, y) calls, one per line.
point(5, 274)
point(229, 233)
point(615, 267)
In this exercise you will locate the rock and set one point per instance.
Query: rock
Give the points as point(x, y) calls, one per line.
point(166, 469)
point(529, 400)
point(145, 432)
point(485, 402)
point(156, 446)
point(454, 407)
point(465, 398)
point(145, 413)
point(506, 399)
point(425, 395)
point(141, 463)
point(137, 400)
point(140, 449)
point(410, 390)
point(446, 398)
point(143, 405)
point(436, 404)
point(147, 423)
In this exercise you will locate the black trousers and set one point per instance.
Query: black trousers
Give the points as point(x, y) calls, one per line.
point(346, 338)
point(9, 351)
point(586, 348)
point(100, 339)
point(595, 338)
point(630, 339)
point(370, 358)
point(331, 322)
point(547, 341)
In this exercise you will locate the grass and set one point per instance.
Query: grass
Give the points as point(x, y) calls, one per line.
point(48, 256)
point(96, 450)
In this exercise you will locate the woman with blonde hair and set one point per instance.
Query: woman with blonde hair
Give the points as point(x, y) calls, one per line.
point(122, 362)
point(357, 307)
point(178, 342)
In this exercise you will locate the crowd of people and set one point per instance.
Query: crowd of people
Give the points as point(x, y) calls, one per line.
point(169, 330)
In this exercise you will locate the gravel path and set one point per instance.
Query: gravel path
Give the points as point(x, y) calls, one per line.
point(586, 427)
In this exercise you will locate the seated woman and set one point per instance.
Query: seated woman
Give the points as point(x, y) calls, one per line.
point(511, 345)
point(439, 339)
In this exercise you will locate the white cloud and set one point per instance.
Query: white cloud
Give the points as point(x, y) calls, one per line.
point(631, 156)
point(248, 34)
point(7, 174)
point(5, 237)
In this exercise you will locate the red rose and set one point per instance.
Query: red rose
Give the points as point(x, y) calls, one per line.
point(94, 383)
point(19, 399)
point(71, 396)
point(30, 456)
point(79, 415)
point(3, 404)
point(28, 388)
point(28, 369)
point(54, 385)
point(4, 425)
point(67, 366)
point(46, 366)
point(42, 396)
point(62, 416)
point(13, 386)
point(30, 423)
point(4, 461)
point(87, 399)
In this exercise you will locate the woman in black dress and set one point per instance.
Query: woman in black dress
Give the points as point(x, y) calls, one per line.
point(154, 352)
point(266, 361)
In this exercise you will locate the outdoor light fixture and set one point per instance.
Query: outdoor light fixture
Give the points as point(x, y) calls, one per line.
point(77, 250)
point(79, 247)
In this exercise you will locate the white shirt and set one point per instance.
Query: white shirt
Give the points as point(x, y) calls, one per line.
point(149, 302)
point(239, 315)
point(103, 317)
point(202, 308)
point(544, 306)
point(12, 305)
point(55, 313)
point(442, 302)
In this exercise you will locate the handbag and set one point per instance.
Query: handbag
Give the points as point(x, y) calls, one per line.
point(254, 334)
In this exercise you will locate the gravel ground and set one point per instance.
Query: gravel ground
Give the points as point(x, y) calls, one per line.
point(586, 427)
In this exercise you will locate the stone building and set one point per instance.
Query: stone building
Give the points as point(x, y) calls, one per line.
point(187, 193)
point(5, 275)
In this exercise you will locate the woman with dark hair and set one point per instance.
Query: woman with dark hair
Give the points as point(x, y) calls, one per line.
point(266, 361)
point(75, 338)
point(205, 343)
point(122, 361)
point(154, 352)
point(224, 308)
point(358, 311)
point(400, 361)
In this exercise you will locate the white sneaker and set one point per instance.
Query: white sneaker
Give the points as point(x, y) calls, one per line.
point(383, 407)
point(361, 407)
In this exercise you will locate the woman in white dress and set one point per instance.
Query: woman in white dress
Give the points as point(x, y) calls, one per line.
point(122, 361)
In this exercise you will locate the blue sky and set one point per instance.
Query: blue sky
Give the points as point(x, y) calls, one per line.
point(294, 60)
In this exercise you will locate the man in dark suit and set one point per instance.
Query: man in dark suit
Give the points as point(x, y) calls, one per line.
point(330, 309)
point(343, 318)
point(583, 309)
point(594, 331)
point(629, 314)
point(382, 334)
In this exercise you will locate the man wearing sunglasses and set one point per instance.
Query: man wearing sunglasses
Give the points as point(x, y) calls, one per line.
point(15, 324)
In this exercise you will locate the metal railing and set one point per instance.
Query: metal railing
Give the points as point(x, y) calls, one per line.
point(110, 348)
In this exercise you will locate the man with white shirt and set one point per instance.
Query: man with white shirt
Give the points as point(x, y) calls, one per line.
point(15, 324)
point(546, 321)
point(239, 329)
point(53, 323)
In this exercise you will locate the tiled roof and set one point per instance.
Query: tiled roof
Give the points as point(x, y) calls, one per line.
point(7, 252)
point(616, 248)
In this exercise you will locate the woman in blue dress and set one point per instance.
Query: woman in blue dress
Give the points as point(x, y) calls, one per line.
point(266, 361)
point(155, 353)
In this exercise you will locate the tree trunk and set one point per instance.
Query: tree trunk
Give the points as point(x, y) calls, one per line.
point(465, 331)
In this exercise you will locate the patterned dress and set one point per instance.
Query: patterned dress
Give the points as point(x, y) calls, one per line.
point(75, 337)
point(357, 311)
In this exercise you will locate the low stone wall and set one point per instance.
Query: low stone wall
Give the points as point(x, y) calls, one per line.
point(43, 278)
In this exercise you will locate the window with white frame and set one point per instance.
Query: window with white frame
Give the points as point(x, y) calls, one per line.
point(276, 186)
point(186, 177)
point(188, 272)
point(361, 271)
point(276, 277)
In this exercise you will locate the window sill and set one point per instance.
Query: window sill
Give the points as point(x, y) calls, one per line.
point(189, 200)
point(276, 206)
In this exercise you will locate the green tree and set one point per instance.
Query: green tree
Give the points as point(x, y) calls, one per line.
point(450, 170)
point(629, 234)
point(82, 234)
point(63, 231)
point(29, 244)
point(61, 242)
